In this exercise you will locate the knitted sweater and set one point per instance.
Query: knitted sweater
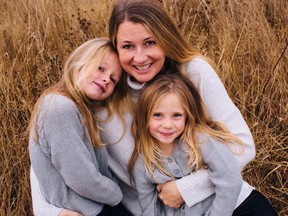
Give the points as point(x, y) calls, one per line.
point(72, 173)
point(193, 188)
point(223, 171)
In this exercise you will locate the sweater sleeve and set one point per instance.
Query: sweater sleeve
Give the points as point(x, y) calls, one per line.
point(40, 205)
point(196, 187)
point(224, 174)
point(71, 153)
point(147, 193)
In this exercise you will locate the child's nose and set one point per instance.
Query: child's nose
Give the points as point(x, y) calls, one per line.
point(105, 78)
point(167, 123)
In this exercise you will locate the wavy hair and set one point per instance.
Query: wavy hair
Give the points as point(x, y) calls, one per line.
point(197, 120)
point(85, 57)
point(157, 21)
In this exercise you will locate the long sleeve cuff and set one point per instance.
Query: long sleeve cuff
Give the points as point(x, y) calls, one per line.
point(195, 187)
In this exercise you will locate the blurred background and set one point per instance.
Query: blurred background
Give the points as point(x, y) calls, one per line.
point(246, 38)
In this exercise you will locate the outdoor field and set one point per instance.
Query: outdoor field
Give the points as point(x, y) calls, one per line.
point(247, 39)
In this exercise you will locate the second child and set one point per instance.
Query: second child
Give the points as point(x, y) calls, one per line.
point(175, 137)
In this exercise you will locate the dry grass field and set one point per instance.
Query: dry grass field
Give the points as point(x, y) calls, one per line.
point(246, 38)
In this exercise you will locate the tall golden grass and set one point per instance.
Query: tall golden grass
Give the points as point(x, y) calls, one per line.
point(247, 39)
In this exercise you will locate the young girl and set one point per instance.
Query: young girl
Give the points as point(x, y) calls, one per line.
point(174, 138)
point(66, 152)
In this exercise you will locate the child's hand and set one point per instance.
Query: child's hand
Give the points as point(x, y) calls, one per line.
point(66, 212)
point(169, 194)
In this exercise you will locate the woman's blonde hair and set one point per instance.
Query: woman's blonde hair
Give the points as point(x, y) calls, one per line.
point(86, 57)
point(197, 120)
point(157, 21)
point(153, 16)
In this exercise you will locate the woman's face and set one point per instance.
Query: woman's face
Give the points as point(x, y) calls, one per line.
point(139, 54)
point(102, 81)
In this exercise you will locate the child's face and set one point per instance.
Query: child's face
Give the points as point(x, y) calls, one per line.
point(167, 121)
point(101, 83)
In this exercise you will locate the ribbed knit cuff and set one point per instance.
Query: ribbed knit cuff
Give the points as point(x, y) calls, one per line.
point(195, 188)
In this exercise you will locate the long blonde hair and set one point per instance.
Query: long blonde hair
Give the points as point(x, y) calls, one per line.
point(153, 16)
point(87, 56)
point(157, 21)
point(197, 120)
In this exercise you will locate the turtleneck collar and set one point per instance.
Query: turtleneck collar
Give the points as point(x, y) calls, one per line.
point(133, 84)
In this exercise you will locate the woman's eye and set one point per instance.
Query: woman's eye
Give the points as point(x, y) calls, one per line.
point(100, 68)
point(127, 46)
point(148, 43)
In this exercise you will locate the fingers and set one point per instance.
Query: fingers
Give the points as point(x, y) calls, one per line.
point(170, 203)
point(66, 212)
point(159, 187)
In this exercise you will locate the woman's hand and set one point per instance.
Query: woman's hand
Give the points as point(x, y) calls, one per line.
point(169, 194)
point(66, 212)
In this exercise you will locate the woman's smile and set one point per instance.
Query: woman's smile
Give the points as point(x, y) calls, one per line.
point(143, 68)
point(140, 56)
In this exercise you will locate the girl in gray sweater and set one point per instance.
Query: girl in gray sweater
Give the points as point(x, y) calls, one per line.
point(67, 155)
point(175, 137)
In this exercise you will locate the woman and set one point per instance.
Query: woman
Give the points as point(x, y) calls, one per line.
point(149, 43)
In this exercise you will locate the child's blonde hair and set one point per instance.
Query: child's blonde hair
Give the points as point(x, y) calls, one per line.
point(197, 120)
point(86, 57)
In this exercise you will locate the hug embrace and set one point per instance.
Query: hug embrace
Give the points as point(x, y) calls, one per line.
point(107, 139)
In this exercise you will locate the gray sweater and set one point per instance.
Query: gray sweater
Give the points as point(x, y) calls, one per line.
point(72, 174)
point(193, 188)
point(223, 172)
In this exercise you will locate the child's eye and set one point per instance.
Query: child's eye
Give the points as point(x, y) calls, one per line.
point(178, 115)
point(100, 68)
point(157, 115)
point(113, 80)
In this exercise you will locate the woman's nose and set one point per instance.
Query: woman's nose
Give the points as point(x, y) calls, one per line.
point(140, 56)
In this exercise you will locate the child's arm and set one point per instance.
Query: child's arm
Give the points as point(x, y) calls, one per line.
point(195, 188)
point(224, 174)
point(147, 193)
point(73, 157)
